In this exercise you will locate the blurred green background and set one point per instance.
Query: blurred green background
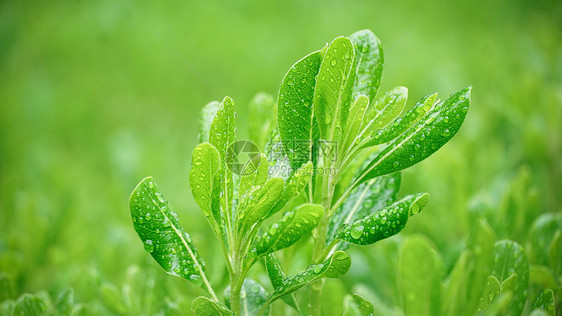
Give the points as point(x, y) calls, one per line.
point(92, 100)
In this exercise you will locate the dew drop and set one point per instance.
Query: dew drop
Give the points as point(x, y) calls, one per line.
point(357, 231)
point(333, 62)
point(149, 245)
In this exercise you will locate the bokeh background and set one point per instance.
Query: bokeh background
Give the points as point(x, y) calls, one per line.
point(94, 96)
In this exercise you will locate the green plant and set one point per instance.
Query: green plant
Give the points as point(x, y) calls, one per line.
point(336, 174)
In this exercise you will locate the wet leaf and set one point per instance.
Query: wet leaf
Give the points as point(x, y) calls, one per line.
point(162, 235)
point(357, 305)
point(294, 114)
point(546, 302)
point(254, 174)
point(369, 61)
point(206, 117)
point(423, 139)
point(332, 94)
point(511, 260)
point(384, 223)
point(296, 183)
point(252, 298)
point(203, 306)
point(276, 276)
point(381, 112)
point(491, 291)
point(289, 229)
point(334, 267)
point(258, 202)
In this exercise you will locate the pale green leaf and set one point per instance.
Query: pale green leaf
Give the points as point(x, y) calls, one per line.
point(261, 119)
point(203, 306)
point(294, 114)
point(254, 173)
point(380, 113)
point(384, 223)
point(423, 139)
point(491, 291)
point(332, 95)
point(546, 302)
point(366, 199)
point(112, 299)
point(205, 165)
point(162, 235)
point(334, 267)
point(403, 122)
point(206, 117)
point(419, 268)
point(289, 229)
point(276, 276)
point(369, 60)
point(65, 301)
point(279, 165)
point(253, 298)
point(294, 185)
point(354, 122)
point(357, 305)
point(256, 205)
point(511, 260)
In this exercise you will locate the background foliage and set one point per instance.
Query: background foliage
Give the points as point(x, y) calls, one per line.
point(92, 99)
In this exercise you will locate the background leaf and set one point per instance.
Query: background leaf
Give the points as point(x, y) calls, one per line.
point(546, 302)
point(253, 297)
point(511, 260)
point(261, 118)
point(203, 306)
point(162, 235)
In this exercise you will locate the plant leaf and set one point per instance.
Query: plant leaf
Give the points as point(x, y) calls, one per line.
point(258, 202)
point(358, 305)
point(334, 267)
point(402, 123)
point(423, 139)
point(509, 260)
point(276, 276)
point(295, 115)
point(206, 116)
point(491, 291)
point(205, 165)
point(419, 266)
point(65, 301)
point(261, 118)
point(203, 306)
point(366, 199)
point(253, 297)
point(546, 302)
point(369, 61)
point(294, 186)
point(332, 94)
point(279, 165)
point(254, 173)
point(380, 113)
point(384, 223)
point(163, 237)
point(289, 229)
point(355, 121)
point(29, 304)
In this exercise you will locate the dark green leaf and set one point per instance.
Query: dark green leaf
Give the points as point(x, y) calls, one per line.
point(384, 223)
point(252, 298)
point(276, 276)
point(256, 205)
point(289, 229)
point(369, 60)
point(206, 117)
point(366, 199)
point(294, 114)
point(542, 240)
point(423, 139)
point(205, 165)
point(332, 95)
point(65, 301)
point(511, 260)
point(334, 267)
point(163, 237)
point(261, 118)
point(546, 302)
point(203, 306)
point(402, 123)
point(30, 305)
point(6, 287)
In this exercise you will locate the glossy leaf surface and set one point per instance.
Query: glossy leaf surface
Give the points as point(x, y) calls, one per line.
point(276, 276)
point(205, 165)
point(384, 223)
point(369, 61)
point(203, 306)
point(206, 117)
point(258, 202)
point(381, 112)
point(294, 186)
point(294, 114)
point(491, 291)
point(253, 297)
point(253, 174)
point(289, 229)
point(423, 139)
point(163, 237)
point(334, 267)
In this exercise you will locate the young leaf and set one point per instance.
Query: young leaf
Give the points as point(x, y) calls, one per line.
point(279, 165)
point(29, 304)
point(369, 61)
point(384, 223)
point(206, 117)
point(276, 276)
point(203, 306)
point(294, 186)
point(332, 95)
point(254, 174)
point(261, 118)
point(546, 302)
point(511, 260)
point(112, 299)
point(65, 301)
point(205, 165)
point(402, 123)
point(354, 122)
point(253, 298)
point(258, 202)
point(380, 113)
point(423, 139)
point(364, 200)
point(491, 291)
point(163, 237)
point(294, 115)
point(358, 305)
point(334, 267)
point(289, 229)
point(419, 267)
